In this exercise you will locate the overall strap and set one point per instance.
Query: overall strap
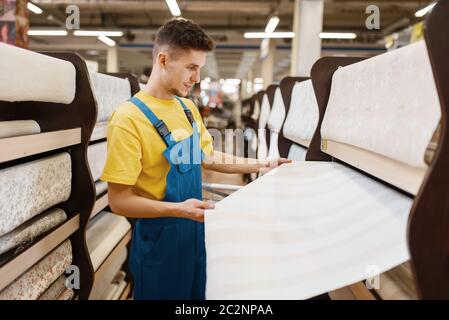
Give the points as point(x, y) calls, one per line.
point(186, 111)
point(160, 125)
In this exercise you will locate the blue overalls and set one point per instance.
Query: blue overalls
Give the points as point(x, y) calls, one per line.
point(168, 256)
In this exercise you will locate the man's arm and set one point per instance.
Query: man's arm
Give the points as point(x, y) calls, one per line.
point(124, 201)
point(226, 163)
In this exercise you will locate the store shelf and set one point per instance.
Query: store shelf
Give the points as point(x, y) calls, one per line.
point(23, 146)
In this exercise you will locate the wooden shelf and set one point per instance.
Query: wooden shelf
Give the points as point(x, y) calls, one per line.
point(18, 265)
point(99, 131)
point(126, 292)
point(100, 204)
point(23, 146)
point(361, 292)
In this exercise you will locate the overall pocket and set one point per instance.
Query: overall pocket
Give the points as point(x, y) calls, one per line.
point(158, 249)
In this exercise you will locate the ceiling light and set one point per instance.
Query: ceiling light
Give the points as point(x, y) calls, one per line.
point(33, 8)
point(233, 82)
point(97, 33)
point(107, 40)
point(337, 35)
point(174, 8)
point(424, 11)
point(92, 52)
point(262, 35)
point(35, 32)
point(272, 24)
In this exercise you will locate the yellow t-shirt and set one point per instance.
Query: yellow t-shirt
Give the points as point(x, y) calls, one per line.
point(135, 148)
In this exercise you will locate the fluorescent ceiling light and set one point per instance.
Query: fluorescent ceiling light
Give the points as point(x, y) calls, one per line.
point(233, 82)
point(35, 32)
point(33, 8)
point(107, 40)
point(262, 35)
point(424, 11)
point(97, 33)
point(174, 8)
point(337, 35)
point(272, 24)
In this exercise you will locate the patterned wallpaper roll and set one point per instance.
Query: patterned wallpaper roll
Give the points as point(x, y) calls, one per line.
point(109, 93)
point(30, 188)
point(55, 290)
point(31, 284)
point(30, 230)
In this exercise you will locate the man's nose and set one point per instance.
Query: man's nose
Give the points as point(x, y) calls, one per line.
point(196, 76)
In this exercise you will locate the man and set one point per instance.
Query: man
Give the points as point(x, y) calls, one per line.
point(157, 144)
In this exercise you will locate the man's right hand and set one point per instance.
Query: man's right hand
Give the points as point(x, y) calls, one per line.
point(193, 209)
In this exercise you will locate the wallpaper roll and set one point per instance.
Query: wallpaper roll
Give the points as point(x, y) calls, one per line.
point(101, 188)
point(297, 153)
point(45, 78)
point(33, 228)
point(30, 188)
point(262, 149)
point(55, 290)
point(96, 157)
point(116, 288)
point(31, 284)
point(302, 117)
point(16, 128)
point(68, 294)
point(387, 104)
point(301, 230)
point(104, 232)
point(110, 92)
point(277, 113)
point(119, 290)
point(103, 284)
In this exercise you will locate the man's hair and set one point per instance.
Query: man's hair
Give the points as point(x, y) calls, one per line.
point(184, 34)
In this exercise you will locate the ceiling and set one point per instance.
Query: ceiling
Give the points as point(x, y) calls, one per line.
point(225, 21)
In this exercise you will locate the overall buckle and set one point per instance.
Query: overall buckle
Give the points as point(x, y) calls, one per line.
point(162, 128)
point(189, 116)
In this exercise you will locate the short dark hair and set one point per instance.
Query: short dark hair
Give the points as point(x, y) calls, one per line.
point(180, 33)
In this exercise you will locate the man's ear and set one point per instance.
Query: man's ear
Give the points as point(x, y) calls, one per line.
point(162, 59)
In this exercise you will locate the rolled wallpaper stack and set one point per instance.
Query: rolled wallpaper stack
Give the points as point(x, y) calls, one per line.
point(30, 192)
point(40, 277)
point(29, 189)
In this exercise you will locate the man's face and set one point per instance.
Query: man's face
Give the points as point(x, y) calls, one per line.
point(182, 71)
